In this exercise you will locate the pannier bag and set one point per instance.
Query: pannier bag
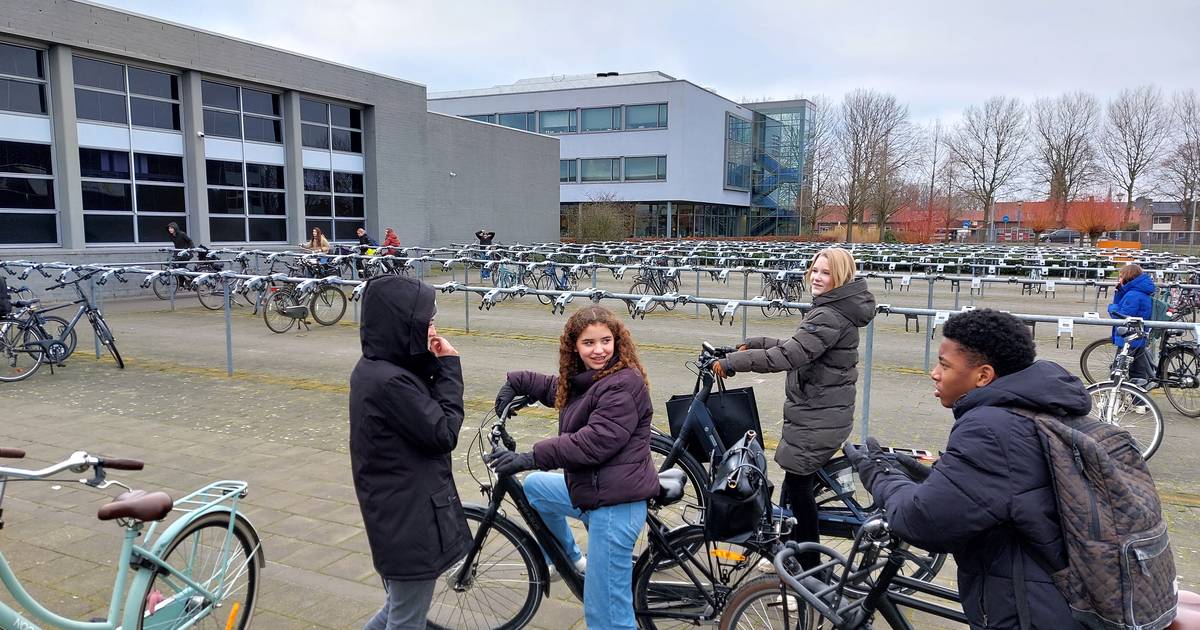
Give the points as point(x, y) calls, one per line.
point(739, 494)
point(1120, 571)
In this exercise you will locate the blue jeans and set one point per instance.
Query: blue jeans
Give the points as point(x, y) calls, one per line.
point(612, 532)
point(406, 608)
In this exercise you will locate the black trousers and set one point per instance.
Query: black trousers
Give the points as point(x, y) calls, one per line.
point(799, 491)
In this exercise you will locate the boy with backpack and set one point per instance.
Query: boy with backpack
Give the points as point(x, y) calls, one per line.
point(1051, 516)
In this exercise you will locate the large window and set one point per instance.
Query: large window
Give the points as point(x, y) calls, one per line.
point(246, 202)
point(241, 113)
point(559, 121)
point(600, 119)
point(334, 201)
point(329, 126)
point(653, 168)
point(600, 170)
point(738, 152)
point(526, 121)
point(487, 118)
point(567, 171)
point(22, 80)
point(116, 93)
point(27, 209)
point(130, 198)
point(653, 116)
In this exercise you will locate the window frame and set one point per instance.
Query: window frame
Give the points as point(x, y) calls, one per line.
point(663, 116)
point(616, 118)
point(660, 166)
point(246, 190)
point(615, 166)
point(128, 95)
point(572, 171)
point(41, 58)
point(135, 211)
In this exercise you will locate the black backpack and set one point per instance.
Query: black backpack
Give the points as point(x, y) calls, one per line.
point(5, 299)
point(1120, 572)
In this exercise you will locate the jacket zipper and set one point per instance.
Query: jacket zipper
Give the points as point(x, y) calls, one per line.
point(1095, 517)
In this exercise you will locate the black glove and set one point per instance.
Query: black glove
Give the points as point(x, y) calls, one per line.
point(915, 470)
point(504, 397)
point(870, 464)
point(506, 462)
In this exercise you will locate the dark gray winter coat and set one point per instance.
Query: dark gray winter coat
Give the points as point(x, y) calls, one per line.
point(820, 360)
point(406, 409)
point(990, 499)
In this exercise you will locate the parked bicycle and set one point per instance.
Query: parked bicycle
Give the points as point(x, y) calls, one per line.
point(26, 306)
point(780, 287)
point(844, 592)
point(1129, 406)
point(285, 304)
point(1175, 365)
point(201, 570)
point(168, 284)
point(554, 277)
point(651, 280)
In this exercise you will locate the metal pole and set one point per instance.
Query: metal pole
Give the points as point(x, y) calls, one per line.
point(928, 323)
point(595, 271)
point(957, 292)
point(671, 230)
point(745, 296)
point(174, 287)
point(697, 293)
point(354, 276)
point(869, 363)
point(92, 288)
point(228, 332)
point(467, 296)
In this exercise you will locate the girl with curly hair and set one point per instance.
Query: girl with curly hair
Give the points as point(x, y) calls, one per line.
point(603, 447)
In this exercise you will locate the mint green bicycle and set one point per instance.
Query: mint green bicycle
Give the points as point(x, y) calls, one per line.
point(199, 571)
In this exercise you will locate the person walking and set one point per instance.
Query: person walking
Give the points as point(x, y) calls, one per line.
point(821, 360)
point(1134, 298)
point(390, 242)
point(180, 241)
point(406, 410)
point(603, 446)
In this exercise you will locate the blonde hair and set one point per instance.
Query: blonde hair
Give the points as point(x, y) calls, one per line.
point(1129, 272)
point(841, 266)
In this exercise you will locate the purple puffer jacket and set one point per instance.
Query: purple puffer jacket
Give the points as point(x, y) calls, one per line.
point(603, 443)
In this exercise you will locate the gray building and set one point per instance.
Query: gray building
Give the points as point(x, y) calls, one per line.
point(113, 124)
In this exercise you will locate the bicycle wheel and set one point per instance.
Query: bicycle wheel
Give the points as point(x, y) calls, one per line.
point(759, 604)
point(543, 283)
point(1181, 380)
point(1096, 360)
point(1132, 410)
point(328, 306)
point(162, 287)
point(641, 287)
point(212, 296)
point(107, 339)
point(1186, 316)
point(503, 590)
point(664, 596)
point(694, 495)
point(670, 285)
point(59, 328)
point(18, 360)
point(770, 292)
point(204, 552)
point(273, 315)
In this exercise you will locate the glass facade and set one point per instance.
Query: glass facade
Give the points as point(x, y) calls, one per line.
point(585, 120)
point(247, 202)
point(335, 202)
point(526, 121)
point(114, 93)
point(330, 126)
point(687, 219)
point(28, 209)
point(781, 132)
point(739, 152)
point(130, 197)
point(567, 171)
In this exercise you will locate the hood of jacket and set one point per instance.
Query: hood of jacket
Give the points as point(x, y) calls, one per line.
point(1142, 284)
point(395, 320)
point(1044, 386)
point(852, 300)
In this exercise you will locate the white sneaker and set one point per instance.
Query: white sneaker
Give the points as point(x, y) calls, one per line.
point(580, 565)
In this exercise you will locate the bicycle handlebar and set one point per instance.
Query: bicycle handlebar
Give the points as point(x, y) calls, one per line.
point(78, 462)
point(116, 463)
point(11, 453)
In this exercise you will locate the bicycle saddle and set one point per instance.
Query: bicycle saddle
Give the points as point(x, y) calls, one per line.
point(1187, 615)
point(671, 484)
point(138, 505)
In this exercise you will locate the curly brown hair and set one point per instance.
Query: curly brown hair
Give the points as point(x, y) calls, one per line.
point(569, 363)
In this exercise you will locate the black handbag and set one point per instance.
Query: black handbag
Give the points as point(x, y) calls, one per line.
point(734, 412)
point(739, 494)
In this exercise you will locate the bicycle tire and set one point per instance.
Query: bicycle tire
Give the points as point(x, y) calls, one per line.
point(759, 604)
point(17, 361)
point(449, 608)
point(641, 287)
point(235, 614)
point(543, 283)
point(107, 339)
point(1182, 382)
point(670, 285)
point(61, 326)
point(695, 494)
point(1186, 316)
point(1097, 368)
point(162, 287)
point(211, 296)
point(663, 594)
point(273, 316)
point(328, 306)
point(1131, 409)
point(770, 292)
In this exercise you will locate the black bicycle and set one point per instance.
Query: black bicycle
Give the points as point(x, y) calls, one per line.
point(680, 579)
point(843, 593)
point(652, 280)
point(166, 284)
point(1174, 361)
point(779, 287)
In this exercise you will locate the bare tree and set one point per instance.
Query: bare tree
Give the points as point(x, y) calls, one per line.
point(1180, 168)
point(987, 150)
point(933, 166)
point(1065, 130)
point(895, 153)
point(820, 163)
point(1136, 129)
point(867, 119)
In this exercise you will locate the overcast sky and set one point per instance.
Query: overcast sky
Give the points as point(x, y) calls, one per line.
point(936, 55)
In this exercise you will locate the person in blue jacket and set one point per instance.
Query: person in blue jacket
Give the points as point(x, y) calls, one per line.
point(1133, 299)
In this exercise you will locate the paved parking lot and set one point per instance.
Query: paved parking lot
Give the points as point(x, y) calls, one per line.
point(280, 423)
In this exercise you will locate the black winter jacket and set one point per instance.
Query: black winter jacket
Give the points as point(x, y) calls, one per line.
point(990, 499)
point(406, 409)
point(821, 360)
